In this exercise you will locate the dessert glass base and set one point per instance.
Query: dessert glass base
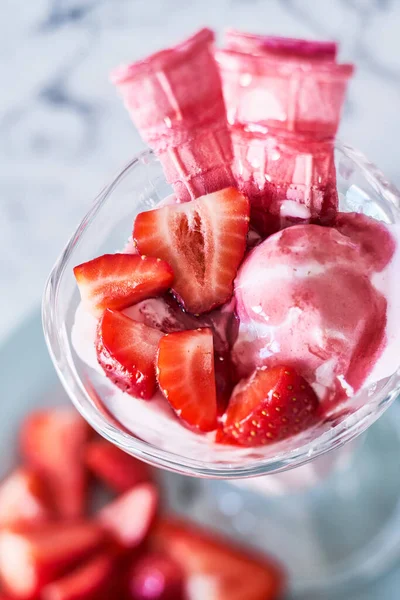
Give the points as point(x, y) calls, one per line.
point(146, 431)
point(336, 536)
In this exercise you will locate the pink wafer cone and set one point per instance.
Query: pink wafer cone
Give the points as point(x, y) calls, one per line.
point(175, 99)
point(294, 95)
point(292, 48)
point(289, 179)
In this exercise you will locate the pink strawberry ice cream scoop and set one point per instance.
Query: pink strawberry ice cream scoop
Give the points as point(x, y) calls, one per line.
point(322, 303)
point(279, 46)
point(175, 99)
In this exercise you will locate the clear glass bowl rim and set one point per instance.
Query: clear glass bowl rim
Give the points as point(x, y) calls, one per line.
point(57, 338)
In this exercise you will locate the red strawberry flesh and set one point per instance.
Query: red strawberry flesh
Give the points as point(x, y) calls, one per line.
point(204, 241)
point(52, 443)
point(156, 577)
point(29, 560)
point(232, 573)
point(126, 350)
point(129, 518)
point(115, 468)
point(90, 581)
point(117, 281)
point(24, 500)
point(271, 405)
point(186, 376)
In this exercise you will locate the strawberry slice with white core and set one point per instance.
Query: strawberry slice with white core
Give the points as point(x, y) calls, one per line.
point(186, 376)
point(119, 280)
point(204, 242)
point(52, 443)
point(129, 517)
point(215, 569)
point(24, 500)
point(29, 560)
point(91, 581)
point(127, 350)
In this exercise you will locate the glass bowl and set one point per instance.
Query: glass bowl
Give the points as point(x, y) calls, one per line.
point(148, 430)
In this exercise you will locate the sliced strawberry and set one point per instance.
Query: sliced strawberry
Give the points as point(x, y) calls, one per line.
point(24, 500)
point(119, 280)
point(269, 406)
point(203, 240)
point(115, 468)
point(52, 443)
point(185, 371)
point(30, 560)
point(156, 576)
point(129, 517)
point(127, 352)
point(94, 580)
point(215, 569)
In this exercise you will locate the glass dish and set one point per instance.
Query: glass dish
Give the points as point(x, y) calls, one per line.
point(334, 519)
point(105, 228)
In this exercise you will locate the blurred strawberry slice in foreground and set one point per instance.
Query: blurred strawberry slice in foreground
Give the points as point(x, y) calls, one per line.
point(24, 500)
point(129, 518)
point(52, 442)
point(29, 560)
point(118, 470)
point(156, 577)
point(215, 569)
point(94, 580)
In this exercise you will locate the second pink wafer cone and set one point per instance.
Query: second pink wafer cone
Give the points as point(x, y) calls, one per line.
point(175, 99)
point(288, 179)
point(284, 98)
point(296, 95)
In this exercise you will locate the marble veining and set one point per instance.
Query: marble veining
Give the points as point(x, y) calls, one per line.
point(64, 133)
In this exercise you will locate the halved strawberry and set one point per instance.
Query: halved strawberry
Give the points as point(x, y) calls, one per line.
point(52, 443)
point(215, 568)
point(203, 240)
point(127, 352)
point(94, 580)
point(156, 576)
point(272, 404)
point(115, 468)
point(185, 372)
point(29, 560)
point(24, 500)
point(129, 517)
point(120, 280)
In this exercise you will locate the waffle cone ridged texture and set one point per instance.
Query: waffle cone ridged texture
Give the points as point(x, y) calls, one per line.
point(284, 99)
point(175, 99)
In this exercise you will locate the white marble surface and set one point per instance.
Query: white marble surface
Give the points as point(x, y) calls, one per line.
point(63, 131)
